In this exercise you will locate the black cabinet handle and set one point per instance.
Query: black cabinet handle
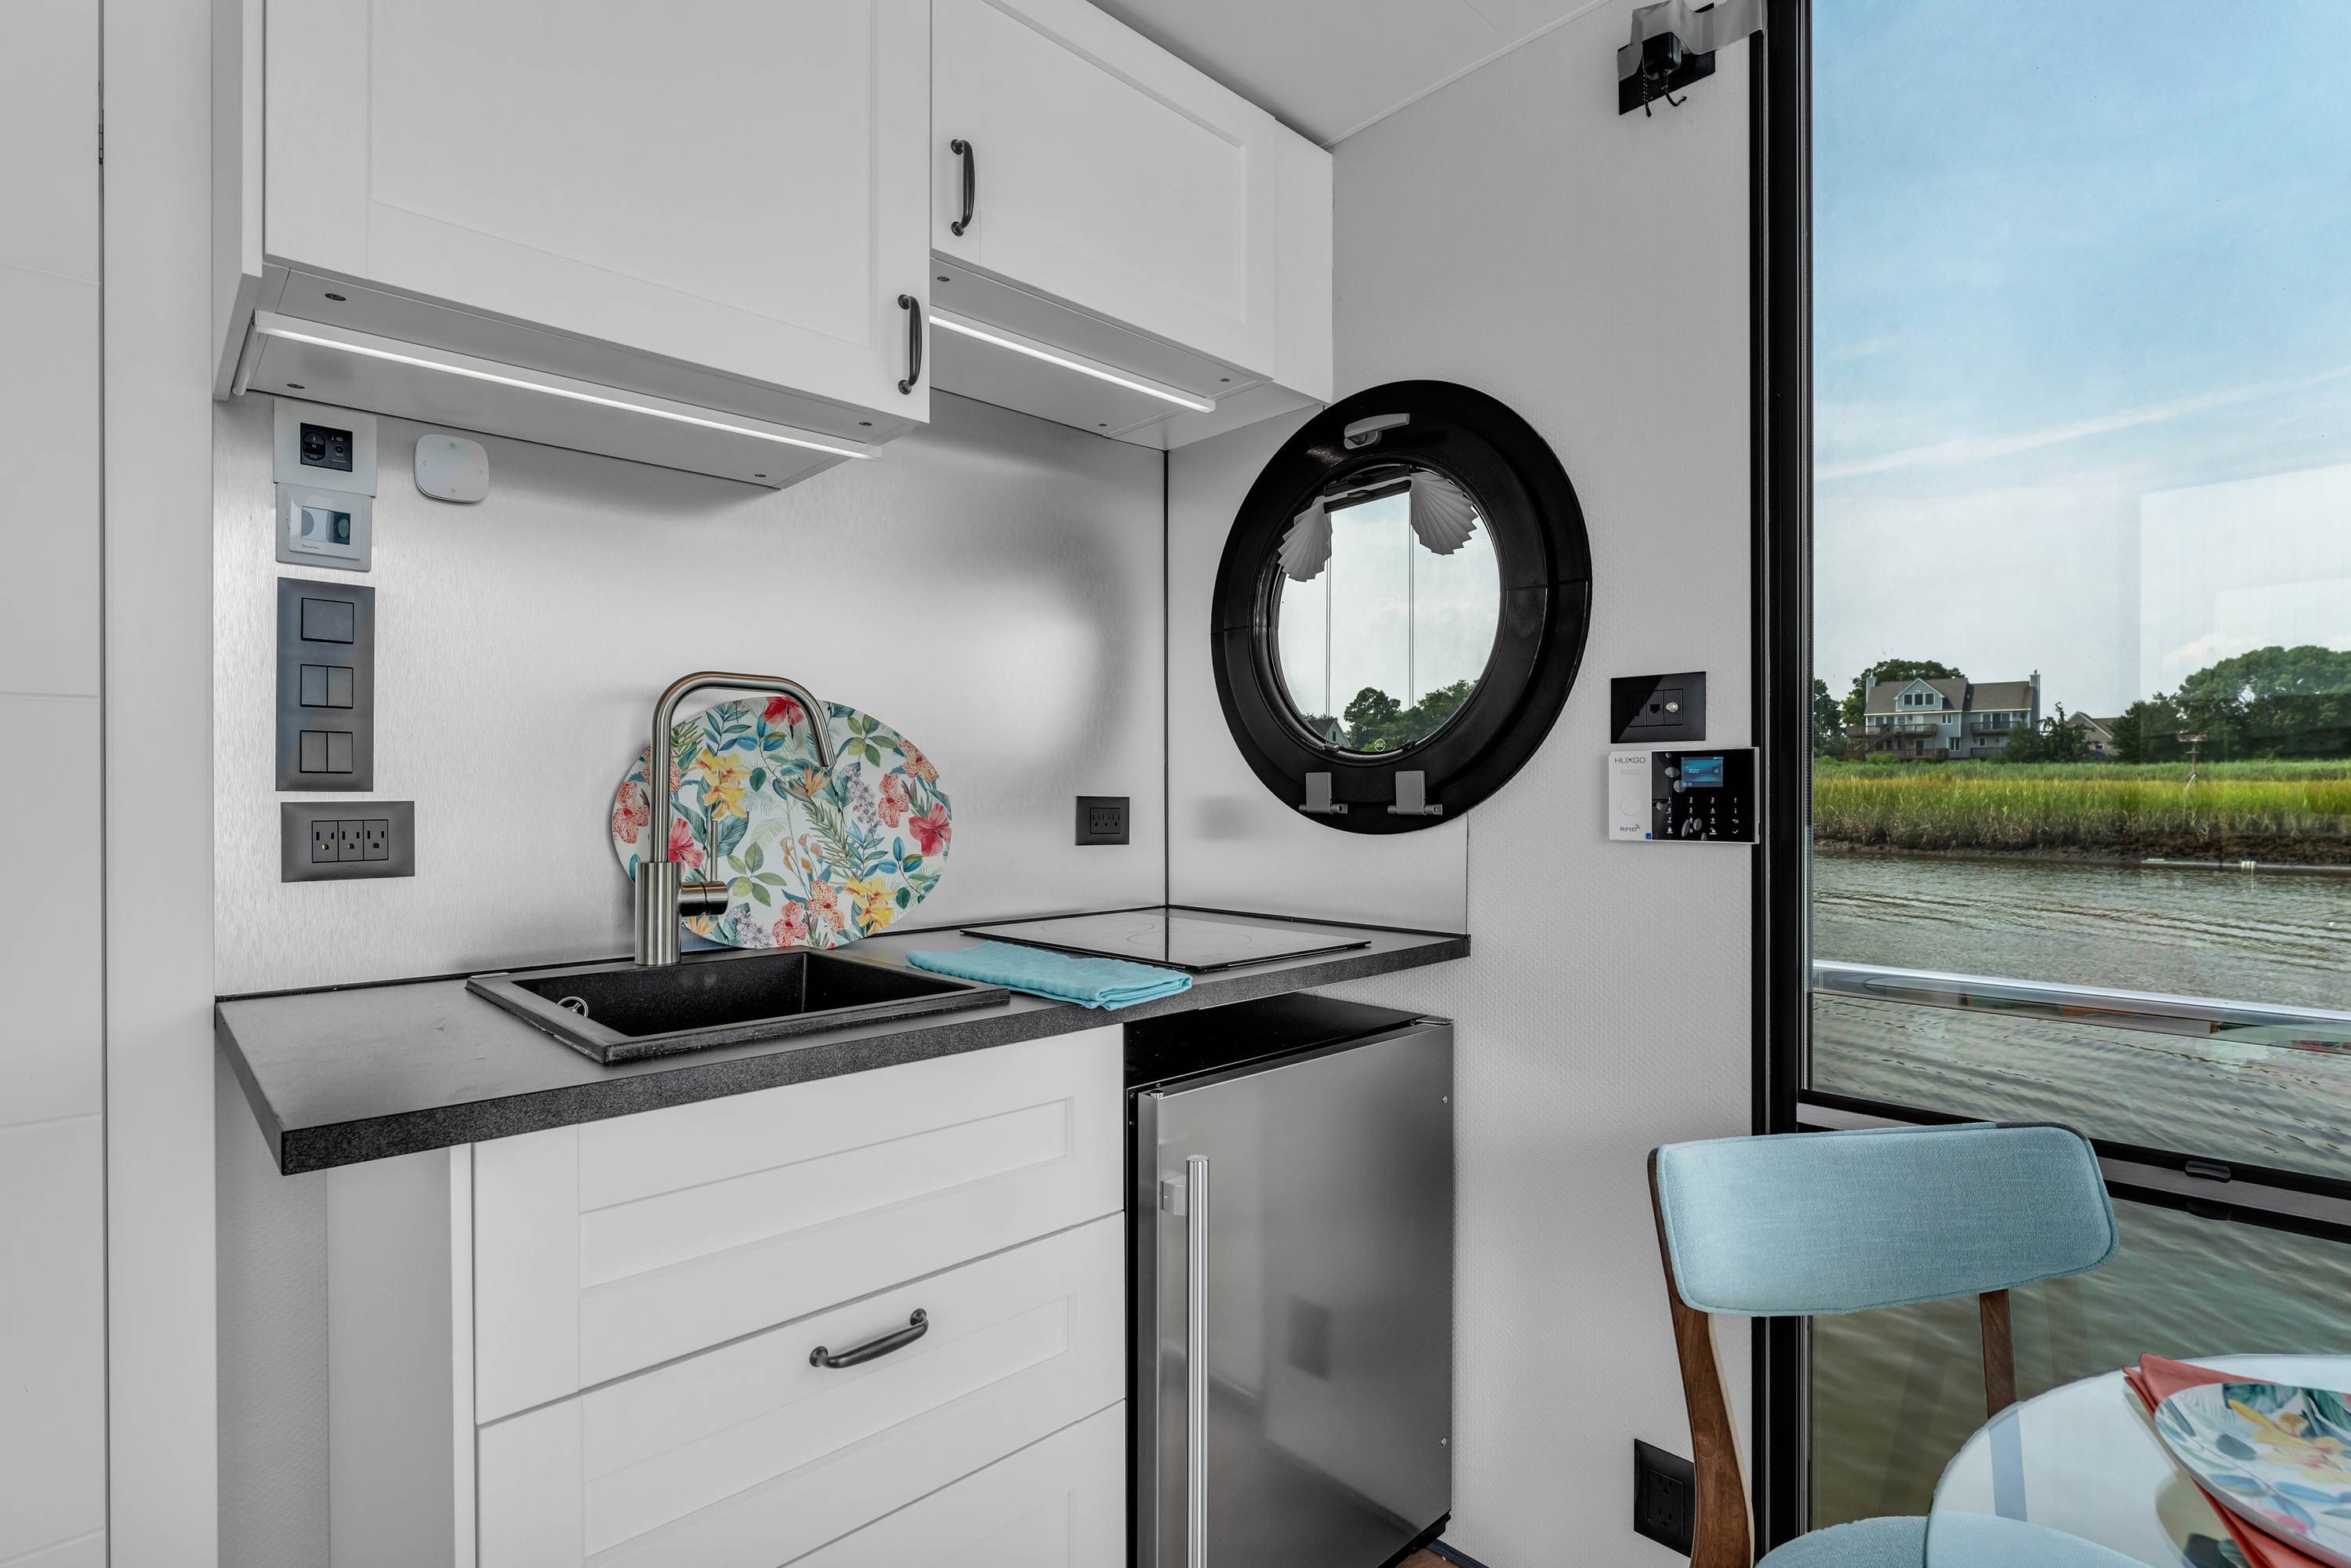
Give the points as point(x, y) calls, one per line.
point(914, 309)
point(962, 150)
point(874, 1349)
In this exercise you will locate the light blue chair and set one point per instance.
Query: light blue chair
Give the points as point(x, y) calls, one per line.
point(1812, 1223)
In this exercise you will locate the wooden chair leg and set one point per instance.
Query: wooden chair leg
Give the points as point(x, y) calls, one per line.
point(1998, 1353)
point(1725, 1535)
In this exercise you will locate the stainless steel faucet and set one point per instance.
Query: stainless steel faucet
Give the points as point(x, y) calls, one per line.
point(663, 899)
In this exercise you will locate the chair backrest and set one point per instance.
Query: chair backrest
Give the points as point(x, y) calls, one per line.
point(1812, 1223)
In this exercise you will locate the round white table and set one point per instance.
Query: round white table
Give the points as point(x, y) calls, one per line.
point(2084, 1459)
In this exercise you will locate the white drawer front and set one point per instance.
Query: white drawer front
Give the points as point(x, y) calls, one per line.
point(750, 1456)
point(1061, 1504)
point(607, 1248)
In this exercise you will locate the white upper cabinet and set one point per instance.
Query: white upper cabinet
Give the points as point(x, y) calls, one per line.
point(1188, 233)
point(719, 205)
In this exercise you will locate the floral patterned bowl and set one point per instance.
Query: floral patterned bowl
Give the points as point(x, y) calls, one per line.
point(810, 859)
point(2276, 1455)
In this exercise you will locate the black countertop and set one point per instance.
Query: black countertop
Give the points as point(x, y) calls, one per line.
point(362, 1072)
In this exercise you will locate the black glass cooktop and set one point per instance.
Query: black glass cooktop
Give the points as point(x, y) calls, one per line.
point(1172, 939)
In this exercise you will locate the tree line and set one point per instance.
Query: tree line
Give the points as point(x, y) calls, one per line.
point(2272, 703)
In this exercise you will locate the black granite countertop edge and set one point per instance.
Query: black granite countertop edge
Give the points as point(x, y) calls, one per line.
point(322, 1148)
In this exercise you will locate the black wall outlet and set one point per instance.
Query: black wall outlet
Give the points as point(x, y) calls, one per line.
point(1102, 818)
point(1665, 1496)
point(1650, 710)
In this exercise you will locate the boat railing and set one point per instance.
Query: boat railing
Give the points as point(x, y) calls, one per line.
point(2249, 1023)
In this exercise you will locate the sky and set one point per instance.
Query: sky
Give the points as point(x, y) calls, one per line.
point(2082, 337)
point(1388, 612)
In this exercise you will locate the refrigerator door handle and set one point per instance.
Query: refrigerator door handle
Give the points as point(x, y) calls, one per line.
point(1196, 1363)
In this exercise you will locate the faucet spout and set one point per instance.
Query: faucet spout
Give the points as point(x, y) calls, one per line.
point(661, 898)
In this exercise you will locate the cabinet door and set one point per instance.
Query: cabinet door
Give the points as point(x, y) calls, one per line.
point(752, 1455)
point(739, 184)
point(606, 1248)
point(1110, 174)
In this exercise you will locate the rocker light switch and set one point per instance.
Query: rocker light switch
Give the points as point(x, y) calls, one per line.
point(326, 685)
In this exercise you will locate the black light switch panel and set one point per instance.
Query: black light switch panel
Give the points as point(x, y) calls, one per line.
point(1102, 818)
point(1648, 710)
point(326, 685)
point(1665, 1496)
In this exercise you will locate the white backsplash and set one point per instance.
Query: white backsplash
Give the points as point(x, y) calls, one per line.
point(991, 587)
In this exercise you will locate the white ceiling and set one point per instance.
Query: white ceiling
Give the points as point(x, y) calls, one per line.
point(1329, 67)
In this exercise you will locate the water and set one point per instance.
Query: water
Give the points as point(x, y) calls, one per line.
point(1894, 1393)
point(2281, 937)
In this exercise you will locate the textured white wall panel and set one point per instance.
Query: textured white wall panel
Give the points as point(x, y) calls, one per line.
point(1511, 233)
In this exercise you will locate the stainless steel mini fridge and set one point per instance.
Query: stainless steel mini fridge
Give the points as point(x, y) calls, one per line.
point(1294, 1303)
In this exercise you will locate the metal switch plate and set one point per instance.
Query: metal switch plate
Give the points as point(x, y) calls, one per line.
point(324, 528)
point(1649, 710)
point(330, 448)
point(338, 841)
point(326, 685)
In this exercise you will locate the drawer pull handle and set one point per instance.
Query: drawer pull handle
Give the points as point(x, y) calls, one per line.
point(872, 1349)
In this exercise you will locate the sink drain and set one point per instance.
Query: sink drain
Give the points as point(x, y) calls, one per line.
point(575, 1004)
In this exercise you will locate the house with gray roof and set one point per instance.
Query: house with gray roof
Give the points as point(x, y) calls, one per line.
point(1943, 720)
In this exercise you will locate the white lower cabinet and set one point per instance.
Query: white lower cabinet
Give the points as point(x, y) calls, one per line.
point(592, 1346)
point(751, 1455)
point(1061, 1504)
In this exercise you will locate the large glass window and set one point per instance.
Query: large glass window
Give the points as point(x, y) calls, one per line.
point(2082, 781)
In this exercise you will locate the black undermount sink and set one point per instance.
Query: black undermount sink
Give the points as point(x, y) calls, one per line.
point(619, 1011)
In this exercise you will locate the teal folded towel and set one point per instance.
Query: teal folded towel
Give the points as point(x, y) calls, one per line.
point(1105, 983)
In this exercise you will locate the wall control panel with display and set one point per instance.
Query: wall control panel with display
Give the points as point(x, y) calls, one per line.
point(326, 485)
point(1704, 795)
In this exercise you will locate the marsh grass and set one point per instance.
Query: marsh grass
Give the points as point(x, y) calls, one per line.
point(2268, 810)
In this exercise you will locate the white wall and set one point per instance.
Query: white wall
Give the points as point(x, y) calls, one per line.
point(1510, 233)
point(161, 1503)
point(990, 587)
point(52, 1224)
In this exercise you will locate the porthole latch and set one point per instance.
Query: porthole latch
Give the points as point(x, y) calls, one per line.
point(1412, 797)
point(1317, 797)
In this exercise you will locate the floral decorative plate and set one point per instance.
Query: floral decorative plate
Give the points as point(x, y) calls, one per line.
point(2279, 1455)
point(811, 859)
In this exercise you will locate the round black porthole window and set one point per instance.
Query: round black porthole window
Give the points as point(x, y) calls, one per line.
point(1401, 607)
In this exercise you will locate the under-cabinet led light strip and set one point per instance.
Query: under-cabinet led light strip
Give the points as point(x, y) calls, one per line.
point(1182, 400)
point(270, 326)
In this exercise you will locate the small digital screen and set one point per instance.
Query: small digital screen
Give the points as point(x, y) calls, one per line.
point(326, 525)
point(1702, 772)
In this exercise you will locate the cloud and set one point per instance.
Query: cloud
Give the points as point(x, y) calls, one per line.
point(1975, 448)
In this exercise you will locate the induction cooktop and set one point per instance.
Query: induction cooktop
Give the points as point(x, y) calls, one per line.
point(1196, 944)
